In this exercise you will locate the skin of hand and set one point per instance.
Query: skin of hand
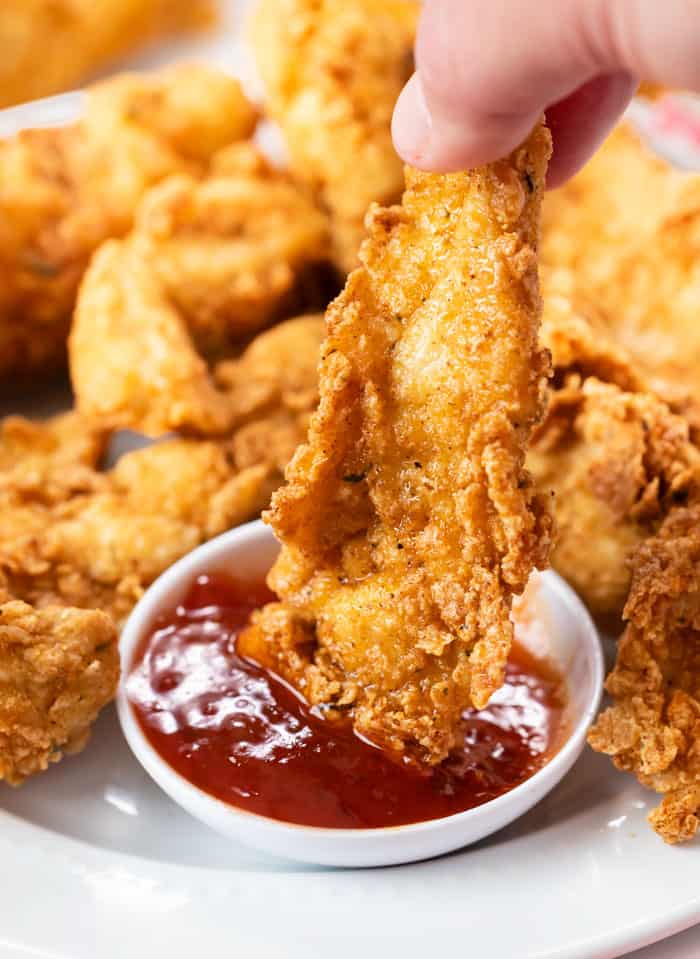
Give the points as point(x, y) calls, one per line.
point(485, 72)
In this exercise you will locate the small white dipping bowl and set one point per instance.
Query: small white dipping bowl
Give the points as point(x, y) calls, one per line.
point(248, 552)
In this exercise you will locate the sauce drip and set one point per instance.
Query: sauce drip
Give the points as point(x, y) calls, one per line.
point(241, 734)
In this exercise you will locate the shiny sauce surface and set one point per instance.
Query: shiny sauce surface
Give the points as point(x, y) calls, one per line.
point(241, 734)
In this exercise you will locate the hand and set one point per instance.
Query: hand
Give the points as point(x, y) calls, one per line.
point(487, 69)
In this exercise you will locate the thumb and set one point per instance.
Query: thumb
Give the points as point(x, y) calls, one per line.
point(487, 70)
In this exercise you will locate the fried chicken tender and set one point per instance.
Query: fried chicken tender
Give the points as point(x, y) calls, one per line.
point(624, 237)
point(278, 370)
point(615, 203)
point(273, 389)
point(132, 360)
point(63, 191)
point(653, 727)
point(208, 262)
point(58, 668)
point(408, 522)
point(575, 333)
point(332, 72)
point(39, 454)
point(617, 462)
point(232, 251)
point(72, 535)
point(72, 569)
point(50, 45)
point(103, 542)
point(620, 281)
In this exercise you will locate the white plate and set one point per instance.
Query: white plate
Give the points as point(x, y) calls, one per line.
point(97, 863)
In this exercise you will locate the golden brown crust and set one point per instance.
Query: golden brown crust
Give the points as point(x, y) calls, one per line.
point(47, 46)
point(408, 522)
point(58, 668)
point(63, 191)
point(622, 242)
point(208, 263)
point(616, 461)
point(332, 73)
point(72, 535)
point(653, 727)
point(79, 546)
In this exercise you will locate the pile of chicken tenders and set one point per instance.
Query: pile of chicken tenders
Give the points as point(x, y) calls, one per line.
point(437, 455)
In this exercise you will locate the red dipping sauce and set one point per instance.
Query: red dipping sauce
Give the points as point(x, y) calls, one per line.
point(241, 734)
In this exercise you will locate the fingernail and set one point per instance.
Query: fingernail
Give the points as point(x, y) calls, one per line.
point(412, 124)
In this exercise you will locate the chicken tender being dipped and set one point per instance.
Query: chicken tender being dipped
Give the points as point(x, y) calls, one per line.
point(408, 522)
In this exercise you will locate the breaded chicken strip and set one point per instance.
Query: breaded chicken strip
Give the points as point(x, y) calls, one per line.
point(617, 462)
point(50, 45)
point(102, 543)
point(72, 535)
point(58, 668)
point(233, 251)
point(132, 360)
point(653, 300)
point(54, 453)
point(42, 465)
point(272, 390)
point(408, 522)
point(63, 191)
point(208, 263)
point(614, 203)
point(576, 335)
point(653, 727)
point(332, 72)
point(622, 239)
point(78, 546)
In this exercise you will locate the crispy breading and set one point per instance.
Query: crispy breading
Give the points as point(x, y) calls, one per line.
point(617, 462)
point(621, 286)
point(278, 369)
point(232, 251)
point(408, 522)
point(34, 454)
point(42, 465)
point(208, 262)
point(653, 297)
point(653, 727)
point(273, 389)
point(622, 240)
point(63, 191)
point(58, 668)
point(72, 535)
point(50, 45)
point(575, 333)
point(79, 546)
point(100, 545)
point(132, 360)
point(615, 203)
point(332, 72)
